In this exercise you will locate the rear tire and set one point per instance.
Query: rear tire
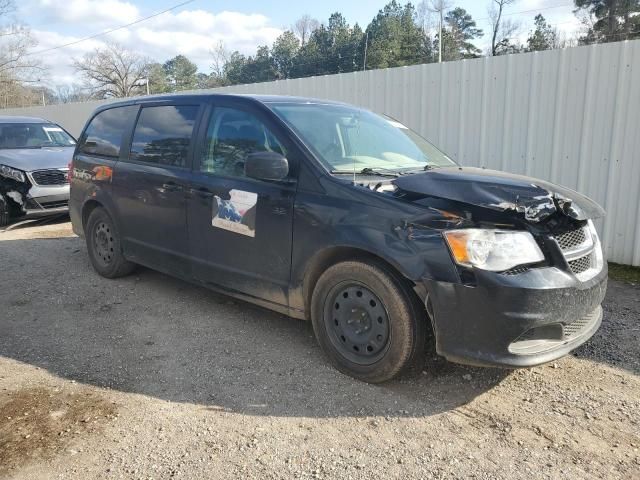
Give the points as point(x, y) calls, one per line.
point(367, 321)
point(5, 211)
point(104, 247)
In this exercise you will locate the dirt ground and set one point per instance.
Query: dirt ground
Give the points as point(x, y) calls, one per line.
point(151, 377)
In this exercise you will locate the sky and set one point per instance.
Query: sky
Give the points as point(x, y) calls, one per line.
point(193, 29)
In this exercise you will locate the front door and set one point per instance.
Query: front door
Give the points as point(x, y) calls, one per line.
point(150, 187)
point(240, 228)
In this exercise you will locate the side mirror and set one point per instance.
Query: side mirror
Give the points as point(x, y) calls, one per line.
point(266, 166)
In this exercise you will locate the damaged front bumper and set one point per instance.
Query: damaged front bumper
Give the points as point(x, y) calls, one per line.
point(46, 200)
point(36, 201)
point(517, 320)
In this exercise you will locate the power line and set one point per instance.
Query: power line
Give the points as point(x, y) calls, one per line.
point(535, 10)
point(106, 32)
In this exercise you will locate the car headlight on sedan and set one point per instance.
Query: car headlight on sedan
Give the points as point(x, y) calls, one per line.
point(494, 250)
point(12, 173)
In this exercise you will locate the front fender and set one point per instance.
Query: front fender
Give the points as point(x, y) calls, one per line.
point(324, 225)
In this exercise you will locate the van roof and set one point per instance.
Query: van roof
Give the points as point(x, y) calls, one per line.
point(199, 96)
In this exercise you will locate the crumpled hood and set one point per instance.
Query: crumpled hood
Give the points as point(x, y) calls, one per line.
point(535, 199)
point(29, 159)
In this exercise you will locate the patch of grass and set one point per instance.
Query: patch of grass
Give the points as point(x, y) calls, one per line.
point(624, 273)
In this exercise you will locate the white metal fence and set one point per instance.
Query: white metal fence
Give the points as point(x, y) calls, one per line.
point(569, 116)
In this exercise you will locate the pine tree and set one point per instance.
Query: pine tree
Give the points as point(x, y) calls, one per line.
point(610, 20)
point(544, 37)
point(181, 73)
point(394, 37)
point(460, 30)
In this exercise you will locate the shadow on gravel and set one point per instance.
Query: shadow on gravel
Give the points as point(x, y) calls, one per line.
point(21, 223)
point(154, 335)
point(617, 343)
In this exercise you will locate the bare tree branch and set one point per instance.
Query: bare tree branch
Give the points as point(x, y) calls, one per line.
point(16, 66)
point(501, 30)
point(220, 56)
point(113, 71)
point(304, 27)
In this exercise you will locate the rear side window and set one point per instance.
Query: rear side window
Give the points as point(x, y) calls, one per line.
point(163, 134)
point(104, 134)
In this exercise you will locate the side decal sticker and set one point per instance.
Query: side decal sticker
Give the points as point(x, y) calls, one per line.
point(238, 214)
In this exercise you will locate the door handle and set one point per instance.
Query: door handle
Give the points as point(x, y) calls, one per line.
point(201, 192)
point(171, 187)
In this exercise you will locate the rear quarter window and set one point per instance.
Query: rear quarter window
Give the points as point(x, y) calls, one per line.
point(103, 136)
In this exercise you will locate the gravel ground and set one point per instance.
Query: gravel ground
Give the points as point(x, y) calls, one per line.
point(151, 377)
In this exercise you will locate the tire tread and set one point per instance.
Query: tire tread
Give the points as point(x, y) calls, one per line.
point(120, 267)
point(407, 349)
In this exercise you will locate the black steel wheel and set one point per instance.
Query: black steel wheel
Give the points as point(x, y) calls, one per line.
point(103, 245)
point(367, 321)
point(357, 323)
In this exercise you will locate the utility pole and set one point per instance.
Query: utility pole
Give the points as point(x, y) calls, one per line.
point(440, 37)
point(366, 43)
point(439, 6)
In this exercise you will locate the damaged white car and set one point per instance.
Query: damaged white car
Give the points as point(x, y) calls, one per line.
point(34, 159)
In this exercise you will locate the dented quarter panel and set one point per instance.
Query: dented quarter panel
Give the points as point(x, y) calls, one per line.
point(88, 185)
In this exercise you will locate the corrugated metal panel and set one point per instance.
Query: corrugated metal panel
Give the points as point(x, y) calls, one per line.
point(569, 116)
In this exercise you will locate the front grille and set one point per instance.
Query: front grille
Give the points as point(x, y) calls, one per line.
point(516, 270)
point(577, 246)
point(548, 337)
point(576, 327)
point(572, 239)
point(50, 177)
point(581, 264)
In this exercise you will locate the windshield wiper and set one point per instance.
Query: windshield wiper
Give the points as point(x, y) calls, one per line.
point(368, 171)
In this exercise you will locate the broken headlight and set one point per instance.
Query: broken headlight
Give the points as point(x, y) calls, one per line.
point(12, 173)
point(494, 250)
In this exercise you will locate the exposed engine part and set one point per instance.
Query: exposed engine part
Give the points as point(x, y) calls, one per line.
point(15, 194)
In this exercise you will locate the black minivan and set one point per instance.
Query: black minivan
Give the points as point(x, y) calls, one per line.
point(329, 212)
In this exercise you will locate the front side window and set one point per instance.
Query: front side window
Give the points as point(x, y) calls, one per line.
point(104, 134)
point(231, 136)
point(163, 134)
point(347, 138)
point(33, 135)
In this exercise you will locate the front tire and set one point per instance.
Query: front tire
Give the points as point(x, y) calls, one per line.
point(104, 247)
point(367, 321)
point(5, 211)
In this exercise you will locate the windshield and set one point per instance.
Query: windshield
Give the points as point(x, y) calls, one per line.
point(348, 139)
point(33, 135)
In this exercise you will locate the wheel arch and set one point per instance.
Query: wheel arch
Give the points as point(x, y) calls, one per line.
point(329, 256)
point(88, 207)
point(98, 199)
